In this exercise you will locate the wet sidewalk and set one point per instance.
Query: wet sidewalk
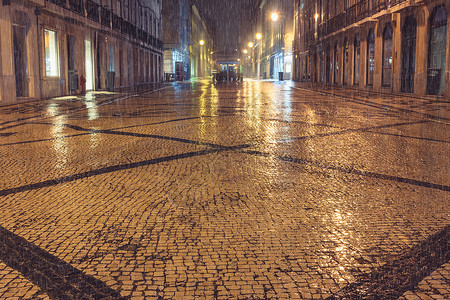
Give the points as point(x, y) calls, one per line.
point(253, 190)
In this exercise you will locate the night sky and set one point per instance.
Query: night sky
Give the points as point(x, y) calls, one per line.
point(226, 15)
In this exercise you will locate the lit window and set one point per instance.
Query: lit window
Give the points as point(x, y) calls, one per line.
point(51, 53)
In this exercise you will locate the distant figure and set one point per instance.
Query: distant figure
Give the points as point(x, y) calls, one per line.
point(83, 83)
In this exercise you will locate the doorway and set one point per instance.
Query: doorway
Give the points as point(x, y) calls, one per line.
point(20, 61)
point(89, 65)
point(437, 51)
point(408, 54)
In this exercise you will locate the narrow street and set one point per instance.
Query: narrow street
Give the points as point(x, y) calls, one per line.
point(254, 190)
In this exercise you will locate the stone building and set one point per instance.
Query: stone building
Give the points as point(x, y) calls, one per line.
point(50, 47)
point(380, 45)
point(187, 41)
point(201, 45)
point(176, 15)
point(273, 46)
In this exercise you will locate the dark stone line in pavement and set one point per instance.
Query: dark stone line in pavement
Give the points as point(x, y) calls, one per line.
point(397, 277)
point(162, 137)
point(6, 134)
point(353, 171)
point(110, 169)
point(373, 104)
point(52, 275)
point(409, 137)
point(44, 140)
point(351, 130)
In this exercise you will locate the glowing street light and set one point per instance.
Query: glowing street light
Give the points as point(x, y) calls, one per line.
point(202, 42)
point(316, 16)
point(245, 51)
point(258, 36)
point(250, 45)
point(274, 17)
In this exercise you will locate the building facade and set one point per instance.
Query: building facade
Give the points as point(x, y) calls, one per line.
point(176, 38)
point(273, 51)
point(187, 41)
point(59, 47)
point(381, 45)
point(201, 45)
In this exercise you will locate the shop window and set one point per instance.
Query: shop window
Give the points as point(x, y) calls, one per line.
point(51, 53)
point(387, 55)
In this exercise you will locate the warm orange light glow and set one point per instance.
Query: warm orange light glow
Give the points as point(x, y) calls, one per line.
point(202, 42)
point(274, 16)
point(245, 51)
point(250, 45)
point(258, 36)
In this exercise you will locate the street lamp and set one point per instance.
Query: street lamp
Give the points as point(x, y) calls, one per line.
point(250, 45)
point(245, 51)
point(258, 36)
point(202, 42)
point(274, 16)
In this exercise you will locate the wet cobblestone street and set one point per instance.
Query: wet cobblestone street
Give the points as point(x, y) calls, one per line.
point(257, 190)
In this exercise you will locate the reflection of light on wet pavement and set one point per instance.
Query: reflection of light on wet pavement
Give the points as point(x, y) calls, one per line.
point(91, 106)
point(57, 132)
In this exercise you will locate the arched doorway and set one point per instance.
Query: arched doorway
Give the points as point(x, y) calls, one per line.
point(345, 62)
point(336, 64)
point(437, 51)
point(408, 54)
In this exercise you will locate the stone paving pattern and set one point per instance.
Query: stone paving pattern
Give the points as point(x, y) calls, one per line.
point(435, 286)
point(261, 190)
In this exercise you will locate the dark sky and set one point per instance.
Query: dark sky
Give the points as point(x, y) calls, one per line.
point(226, 15)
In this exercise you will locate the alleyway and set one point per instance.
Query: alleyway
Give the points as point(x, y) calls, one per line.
point(256, 190)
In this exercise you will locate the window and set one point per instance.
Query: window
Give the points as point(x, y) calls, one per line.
point(51, 53)
point(387, 55)
point(370, 57)
point(119, 8)
point(127, 10)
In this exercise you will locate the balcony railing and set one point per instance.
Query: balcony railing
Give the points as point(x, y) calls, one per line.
point(97, 13)
point(77, 6)
point(105, 17)
point(92, 10)
point(353, 14)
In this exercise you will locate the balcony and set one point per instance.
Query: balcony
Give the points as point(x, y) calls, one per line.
point(61, 3)
point(106, 17)
point(117, 22)
point(97, 13)
point(92, 9)
point(353, 14)
point(77, 6)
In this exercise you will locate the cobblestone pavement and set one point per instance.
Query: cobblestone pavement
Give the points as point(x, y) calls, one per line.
point(260, 190)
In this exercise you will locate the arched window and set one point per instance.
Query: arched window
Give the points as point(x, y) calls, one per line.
point(345, 62)
point(357, 59)
point(387, 55)
point(437, 50)
point(370, 57)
